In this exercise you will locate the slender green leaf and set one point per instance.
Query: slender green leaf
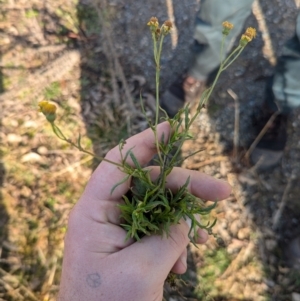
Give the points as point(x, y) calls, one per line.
point(135, 161)
point(119, 183)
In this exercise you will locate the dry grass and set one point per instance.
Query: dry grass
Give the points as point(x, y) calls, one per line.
point(43, 177)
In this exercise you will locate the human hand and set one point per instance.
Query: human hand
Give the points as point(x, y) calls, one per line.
point(98, 263)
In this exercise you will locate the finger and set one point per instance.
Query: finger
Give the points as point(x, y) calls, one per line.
point(107, 175)
point(200, 185)
point(180, 265)
point(202, 236)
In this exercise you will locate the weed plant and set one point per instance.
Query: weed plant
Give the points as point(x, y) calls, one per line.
point(150, 207)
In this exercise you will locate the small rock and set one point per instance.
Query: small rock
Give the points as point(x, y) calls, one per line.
point(13, 138)
point(244, 233)
point(270, 244)
point(30, 124)
point(283, 270)
point(223, 168)
point(223, 224)
point(235, 226)
point(235, 246)
point(236, 289)
point(295, 297)
point(10, 122)
point(42, 150)
point(5, 41)
point(26, 192)
point(224, 235)
point(31, 157)
point(248, 291)
point(269, 282)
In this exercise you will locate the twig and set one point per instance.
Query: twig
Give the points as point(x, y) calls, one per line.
point(52, 272)
point(11, 291)
point(261, 134)
point(243, 256)
point(116, 94)
point(283, 202)
point(236, 136)
point(208, 162)
point(50, 48)
point(26, 292)
point(49, 283)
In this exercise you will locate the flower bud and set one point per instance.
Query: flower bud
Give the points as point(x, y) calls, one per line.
point(153, 23)
point(48, 109)
point(248, 36)
point(167, 26)
point(227, 26)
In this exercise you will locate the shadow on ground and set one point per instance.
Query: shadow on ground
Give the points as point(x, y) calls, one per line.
point(4, 217)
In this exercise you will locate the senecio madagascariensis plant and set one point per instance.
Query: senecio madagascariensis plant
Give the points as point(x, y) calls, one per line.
point(149, 207)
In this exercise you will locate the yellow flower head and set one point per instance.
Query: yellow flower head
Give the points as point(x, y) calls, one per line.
point(167, 26)
point(251, 33)
point(248, 36)
point(48, 109)
point(153, 23)
point(227, 26)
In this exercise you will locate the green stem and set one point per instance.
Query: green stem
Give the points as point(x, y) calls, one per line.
point(222, 48)
point(231, 54)
point(62, 137)
point(182, 140)
point(154, 48)
point(157, 76)
point(236, 56)
point(222, 67)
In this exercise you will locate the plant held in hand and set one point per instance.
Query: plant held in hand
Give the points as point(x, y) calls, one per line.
point(150, 207)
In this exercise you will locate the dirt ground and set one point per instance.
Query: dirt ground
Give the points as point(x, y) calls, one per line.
point(93, 59)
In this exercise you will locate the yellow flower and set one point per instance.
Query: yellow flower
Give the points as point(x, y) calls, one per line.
point(153, 23)
point(48, 109)
point(248, 36)
point(251, 33)
point(167, 26)
point(227, 26)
